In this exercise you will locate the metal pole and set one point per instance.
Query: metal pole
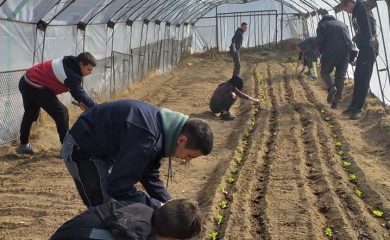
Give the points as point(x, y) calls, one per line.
point(216, 27)
point(139, 50)
point(269, 32)
point(281, 23)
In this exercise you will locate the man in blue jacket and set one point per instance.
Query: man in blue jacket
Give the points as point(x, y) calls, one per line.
point(114, 145)
point(366, 40)
point(236, 46)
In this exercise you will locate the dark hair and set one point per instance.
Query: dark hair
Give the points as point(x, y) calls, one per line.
point(86, 58)
point(237, 81)
point(178, 218)
point(345, 2)
point(199, 135)
point(244, 24)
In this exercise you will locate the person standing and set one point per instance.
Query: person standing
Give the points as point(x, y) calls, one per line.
point(39, 87)
point(335, 46)
point(115, 145)
point(235, 47)
point(366, 40)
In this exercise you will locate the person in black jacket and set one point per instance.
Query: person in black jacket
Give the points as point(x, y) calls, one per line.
point(112, 146)
point(176, 219)
point(335, 46)
point(366, 40)
point(235, 47)
point(40, 85)
point(309, 55)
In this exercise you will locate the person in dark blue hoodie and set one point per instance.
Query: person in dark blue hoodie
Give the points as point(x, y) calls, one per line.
point(336, 50)
point(366, 40)
point(114, 145)
point(235, 47)
point(119, 220)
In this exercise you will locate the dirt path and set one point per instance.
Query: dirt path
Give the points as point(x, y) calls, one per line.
point(289, 179)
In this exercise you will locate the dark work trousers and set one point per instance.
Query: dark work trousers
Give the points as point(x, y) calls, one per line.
point(36, 98)
point(328, 64)
point(364, 67)
point(89, 174)
point(224, 104)
point(237, 66)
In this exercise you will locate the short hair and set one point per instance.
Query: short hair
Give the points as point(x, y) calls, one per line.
point(345, 2)
point(178, 218)
point(199, 135)
point(244, 24)
point(86, 58)
point(237, 81)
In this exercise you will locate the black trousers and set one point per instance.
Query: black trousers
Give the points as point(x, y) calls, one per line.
point(364, 67)
point(33, 100)
point(224, 104)
point(328, 64)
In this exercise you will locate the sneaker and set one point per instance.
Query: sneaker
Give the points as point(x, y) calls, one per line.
point(226, 116)
point(355, 115)
point(331, 93)
point(25, 149)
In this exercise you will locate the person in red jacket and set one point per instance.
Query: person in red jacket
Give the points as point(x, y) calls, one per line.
point(40, 85)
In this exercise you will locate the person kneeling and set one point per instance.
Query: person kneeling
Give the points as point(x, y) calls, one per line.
point(119, 220)
point(226, 95)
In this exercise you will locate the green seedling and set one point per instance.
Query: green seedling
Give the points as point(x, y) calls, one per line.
point(358, 192)
point(352, 177)
point(377, 213)
point(238, 159)
point(346, 164)
point(244, 142)
point(223, 190)
point(327, 119)
point(234, 170)
point(340, 153)
point(240, 149)
point(223, 204)
point(246, 134)
point(252, 122)
point(322, 111)
point(328, 232)
point(334, 136)
point(339, 144)
point(230, 179)
point(219, 219)
point(213, 235)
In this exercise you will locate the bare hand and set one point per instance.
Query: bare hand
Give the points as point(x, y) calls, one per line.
point(353, 63)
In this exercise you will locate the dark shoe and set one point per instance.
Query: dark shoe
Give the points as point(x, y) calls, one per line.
point(355, 115)
point(331, 93)
point(226, 116)
point(348, 112)
point(25, 149)
point(336, 100)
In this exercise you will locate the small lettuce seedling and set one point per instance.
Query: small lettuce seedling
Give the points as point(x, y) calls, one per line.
point(338, 144)
point(213, 235)
point(223, 204)
point(340, 153)
point(352, 177)
point(358, 192)
point(219, 219)
point(240, 149)
point(238, 159)
point(223, 190)
point(328, 232)
point(322, 111)
point(346, 164)
point(377, 213)
point(230, 179)
point(233, 170)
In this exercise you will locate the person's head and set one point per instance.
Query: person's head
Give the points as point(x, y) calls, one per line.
point(347, 5)
point(237, 82)
point(86, 62)
point(196, 139)
point(177, 219)
point(244, 26)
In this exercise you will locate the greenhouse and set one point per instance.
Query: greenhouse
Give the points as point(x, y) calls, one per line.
point(287, 165)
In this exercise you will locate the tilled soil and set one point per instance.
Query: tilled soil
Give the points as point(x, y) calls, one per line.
point(291, 183)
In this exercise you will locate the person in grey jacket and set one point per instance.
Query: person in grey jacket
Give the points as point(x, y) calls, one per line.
point(235, 47)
